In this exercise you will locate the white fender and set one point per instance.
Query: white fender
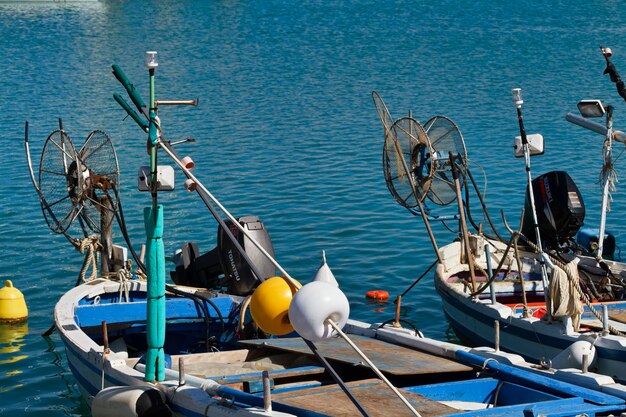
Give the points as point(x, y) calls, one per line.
point(129, 401)
point(572, 356)
point(312, 305)
point(324, 273)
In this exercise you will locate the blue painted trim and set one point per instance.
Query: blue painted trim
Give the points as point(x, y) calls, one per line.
point(78, 355)
point(482, 390)
point(522, 377)
point(82, 381)
point(183, 308)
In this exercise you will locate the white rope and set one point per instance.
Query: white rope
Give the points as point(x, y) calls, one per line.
point(91, 244)
point(124, 277)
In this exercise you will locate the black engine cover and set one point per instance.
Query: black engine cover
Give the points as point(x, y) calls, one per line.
point(224, 266)
point(560, 209)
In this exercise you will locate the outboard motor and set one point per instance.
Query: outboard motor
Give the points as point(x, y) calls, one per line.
point(560, 209)
point(224, 266)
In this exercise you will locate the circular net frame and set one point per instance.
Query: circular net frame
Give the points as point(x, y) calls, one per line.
point(100, 179)
point(445, 138)
point(407, 163)
point(57, 181)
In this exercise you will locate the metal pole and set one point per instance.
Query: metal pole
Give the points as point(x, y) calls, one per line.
point(617, 135)
point(155, 263)
point(492, 288)
point(181, 372)
point(267, 393)
point(517, 99)
point(177, 102)
point(399, 155)
point(496, 328)
point(464, 232)
point(607, 167)
point(373, 367)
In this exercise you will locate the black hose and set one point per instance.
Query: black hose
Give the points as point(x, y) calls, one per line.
point(482, 203)
point(420, 277)
point(201, 297)
point(121, 221)
point(195, 297)
point(414, 327)
point(198, 303)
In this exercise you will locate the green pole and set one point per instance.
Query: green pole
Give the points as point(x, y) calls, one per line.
point(155, 262)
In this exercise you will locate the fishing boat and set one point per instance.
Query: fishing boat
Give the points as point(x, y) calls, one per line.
point(137, 346)
point(550, 290)
point(283, 376)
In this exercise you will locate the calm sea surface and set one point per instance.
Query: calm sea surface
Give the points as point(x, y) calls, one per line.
point(287, 130)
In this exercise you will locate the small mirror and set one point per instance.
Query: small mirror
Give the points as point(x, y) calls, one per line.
point(591, 108)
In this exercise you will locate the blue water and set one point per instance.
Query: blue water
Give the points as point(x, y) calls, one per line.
point(287, 131)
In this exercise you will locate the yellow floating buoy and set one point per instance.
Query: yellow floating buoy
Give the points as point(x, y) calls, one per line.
point(12, 304)
point(269, 306)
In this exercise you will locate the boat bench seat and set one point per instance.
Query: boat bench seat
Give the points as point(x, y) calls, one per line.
point(253, 382)
point(237, 367)
point(90, 315)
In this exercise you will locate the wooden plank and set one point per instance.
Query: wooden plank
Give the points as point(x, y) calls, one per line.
point(373, 395)
point(389, 358)
point(616, 311)
point(274, 374)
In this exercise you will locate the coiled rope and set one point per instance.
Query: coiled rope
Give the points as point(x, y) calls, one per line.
point(575, 281)
point(89, 246)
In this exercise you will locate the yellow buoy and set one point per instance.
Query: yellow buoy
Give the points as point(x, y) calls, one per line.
point(12, 305)
point(269, 306)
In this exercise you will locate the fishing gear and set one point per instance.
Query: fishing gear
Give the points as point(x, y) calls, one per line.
point(154, 369)
point(424, 151)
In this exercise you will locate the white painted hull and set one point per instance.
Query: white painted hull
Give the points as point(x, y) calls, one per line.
point(93, 370)
point(535, 339)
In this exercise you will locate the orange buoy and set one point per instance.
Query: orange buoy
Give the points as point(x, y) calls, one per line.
point(381, 295)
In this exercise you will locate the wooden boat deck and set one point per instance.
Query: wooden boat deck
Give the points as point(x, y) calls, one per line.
point(328, 399)
point(389, 358)
point(373, 395)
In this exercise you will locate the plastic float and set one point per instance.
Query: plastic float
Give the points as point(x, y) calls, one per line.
point(12, 304)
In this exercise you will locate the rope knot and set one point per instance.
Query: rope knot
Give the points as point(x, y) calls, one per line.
point(91, 243)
